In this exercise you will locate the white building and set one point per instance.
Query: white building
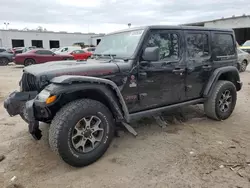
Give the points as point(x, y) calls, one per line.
point(240, 25)
point(45, 39)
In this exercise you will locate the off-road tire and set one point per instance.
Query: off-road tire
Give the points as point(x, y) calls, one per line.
point(211, 106)
point(243, 66)
point(4, 61)
point(63, 123)
point(29, 62)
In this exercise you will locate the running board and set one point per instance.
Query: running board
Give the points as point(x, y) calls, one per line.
point(145, 113)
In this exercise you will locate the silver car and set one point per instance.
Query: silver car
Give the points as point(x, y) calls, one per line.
point(244, 59)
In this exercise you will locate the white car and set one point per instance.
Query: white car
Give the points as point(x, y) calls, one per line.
point(244, 59)
point(67, 49)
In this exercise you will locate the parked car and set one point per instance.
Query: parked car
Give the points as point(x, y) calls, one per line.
point(5, 58)
point(28, 48)
point(53, 49)
point(2, 49)
point(38, 56)
point(246, 46)
point(136, 72)
point(67, 49)
point(81, 54)
point(89, 49)
point(244, 59)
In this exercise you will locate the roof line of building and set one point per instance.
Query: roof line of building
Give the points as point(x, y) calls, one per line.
point(228, 18)
point(60, 32)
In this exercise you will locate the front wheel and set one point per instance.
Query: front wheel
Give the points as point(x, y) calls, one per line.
point(4, 61)
point(221, 103)
point(243, 66)
point(81, 132)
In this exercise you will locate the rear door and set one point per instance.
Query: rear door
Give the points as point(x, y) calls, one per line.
point(198, 61)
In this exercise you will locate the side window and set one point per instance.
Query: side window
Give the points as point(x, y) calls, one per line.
point(197, 45)
point(44, 52)
point(168, 43)
point(38, 52)
point(223, 45)
point(64, 49)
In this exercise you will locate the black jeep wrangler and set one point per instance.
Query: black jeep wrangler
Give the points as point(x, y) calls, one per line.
point(133, 73)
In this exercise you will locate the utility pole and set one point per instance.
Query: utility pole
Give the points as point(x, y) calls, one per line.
point(6, 25)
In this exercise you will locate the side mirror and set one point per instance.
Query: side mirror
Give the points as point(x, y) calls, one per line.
point(151, 54)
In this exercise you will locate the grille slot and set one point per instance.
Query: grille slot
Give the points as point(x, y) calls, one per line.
point(29, 82)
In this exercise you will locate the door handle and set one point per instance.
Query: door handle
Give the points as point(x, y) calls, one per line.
point(207, 67)
point(178, 71)
point(143, 75)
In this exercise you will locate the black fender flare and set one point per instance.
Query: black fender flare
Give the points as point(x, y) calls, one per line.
point(215, 77)
point(68, 84)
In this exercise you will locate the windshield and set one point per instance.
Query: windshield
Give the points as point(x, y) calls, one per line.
point(247, 43)
point(119, 44)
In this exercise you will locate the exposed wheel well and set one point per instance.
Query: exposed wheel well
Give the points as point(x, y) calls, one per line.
point(230, 76)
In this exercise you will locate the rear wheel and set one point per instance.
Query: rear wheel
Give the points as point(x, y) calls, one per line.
point(29, 62)
point(221, 103)
point(81, 132)
point(4, 61)
point(243, 66)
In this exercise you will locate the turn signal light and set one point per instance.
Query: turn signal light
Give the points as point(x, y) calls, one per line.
point(50, 99)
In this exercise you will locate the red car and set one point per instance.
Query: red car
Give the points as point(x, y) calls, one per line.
point(81, 54)
point(39, 56)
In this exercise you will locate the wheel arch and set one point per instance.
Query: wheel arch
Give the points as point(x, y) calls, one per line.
point(29, 58)
point(105, 91)
point(229, 73)
point(245, 61)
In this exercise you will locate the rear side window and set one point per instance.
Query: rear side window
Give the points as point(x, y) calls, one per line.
point(223, 45)
point(197, 45)
point(44, 52)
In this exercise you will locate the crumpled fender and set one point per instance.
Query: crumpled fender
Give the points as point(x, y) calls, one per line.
point(68, 83)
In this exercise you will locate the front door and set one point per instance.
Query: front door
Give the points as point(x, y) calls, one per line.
point(199, 62)
point(162, 83)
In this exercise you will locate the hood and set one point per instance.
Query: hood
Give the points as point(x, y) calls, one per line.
point(72, 67)
point(6, 54)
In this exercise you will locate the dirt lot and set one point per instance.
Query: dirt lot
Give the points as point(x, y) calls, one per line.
point(191, 151)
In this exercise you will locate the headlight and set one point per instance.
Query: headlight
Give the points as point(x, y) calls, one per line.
point(43, 95)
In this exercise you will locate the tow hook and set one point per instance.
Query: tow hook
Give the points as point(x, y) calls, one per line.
point(34, 130)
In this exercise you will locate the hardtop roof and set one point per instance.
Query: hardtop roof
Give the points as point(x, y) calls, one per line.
point(174, 28)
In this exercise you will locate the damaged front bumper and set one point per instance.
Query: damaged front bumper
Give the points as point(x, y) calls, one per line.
point(22, 103)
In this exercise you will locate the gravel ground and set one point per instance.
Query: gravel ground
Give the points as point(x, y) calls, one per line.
point(191, 151)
